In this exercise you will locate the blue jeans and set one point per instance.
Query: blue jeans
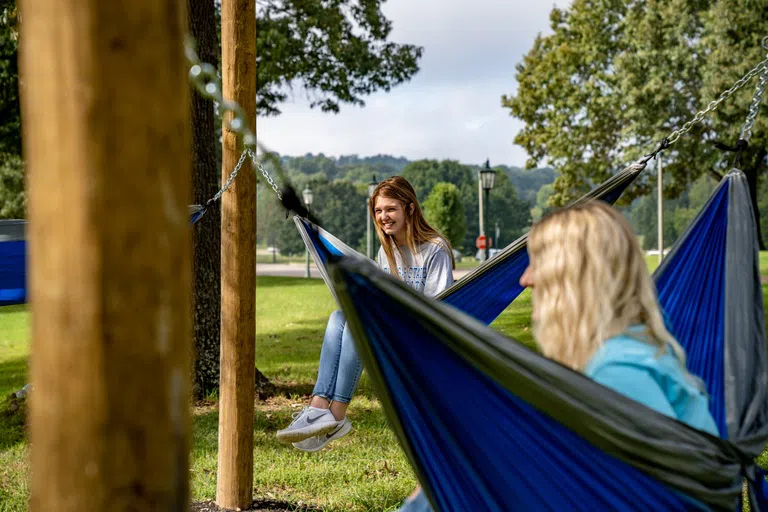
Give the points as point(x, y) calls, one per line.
point(419, 503)
point(340, 367)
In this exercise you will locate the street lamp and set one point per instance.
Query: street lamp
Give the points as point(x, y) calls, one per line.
point(487, 178)
point(369, 238)
point(307, 193)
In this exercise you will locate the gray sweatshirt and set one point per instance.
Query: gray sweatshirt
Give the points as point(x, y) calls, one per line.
point(428, 271)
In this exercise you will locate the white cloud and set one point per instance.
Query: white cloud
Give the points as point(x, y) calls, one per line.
point(451, 108)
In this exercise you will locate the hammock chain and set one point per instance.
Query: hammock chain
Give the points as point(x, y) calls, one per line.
point(207, 82)
point(231, 178)
point(754, 107)
point(266, 175)
point(762, 67)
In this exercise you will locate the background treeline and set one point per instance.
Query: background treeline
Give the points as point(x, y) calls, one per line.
point(519, 197)
point(447, 190)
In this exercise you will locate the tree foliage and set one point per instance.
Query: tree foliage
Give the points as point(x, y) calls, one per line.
point(345, 221)
point(13, 202)
point(615, 77)
point(444, 211)
point(337, 50)
point(10, 111)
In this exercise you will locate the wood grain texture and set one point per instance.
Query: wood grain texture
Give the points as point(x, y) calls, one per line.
point(238, 266)
point(106, 138)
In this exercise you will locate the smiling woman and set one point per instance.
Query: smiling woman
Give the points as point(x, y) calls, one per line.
point(412, 251)
point(410, 248)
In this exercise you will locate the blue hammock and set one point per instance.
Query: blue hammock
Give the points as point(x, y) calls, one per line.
point(531, 434)
point(13, 257)
point(13, 274)
point(692, 308)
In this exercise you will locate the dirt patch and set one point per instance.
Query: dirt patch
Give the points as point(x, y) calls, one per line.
point(259, 505)
point(13, 420)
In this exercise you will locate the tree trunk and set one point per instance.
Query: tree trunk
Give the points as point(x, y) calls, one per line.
point(754, 162)
point(206, 176)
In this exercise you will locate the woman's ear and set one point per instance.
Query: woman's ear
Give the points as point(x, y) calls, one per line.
point(413, 208)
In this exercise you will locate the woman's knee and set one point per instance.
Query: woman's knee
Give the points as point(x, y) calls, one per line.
point(336, 321)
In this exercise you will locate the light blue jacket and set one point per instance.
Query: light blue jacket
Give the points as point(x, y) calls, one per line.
point(636, 369)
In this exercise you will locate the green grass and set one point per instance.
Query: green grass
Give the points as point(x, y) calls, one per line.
point(364, 471)
point(14, 336)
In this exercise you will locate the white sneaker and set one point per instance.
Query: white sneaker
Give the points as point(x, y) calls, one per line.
point(316, 443)
point(309, 422)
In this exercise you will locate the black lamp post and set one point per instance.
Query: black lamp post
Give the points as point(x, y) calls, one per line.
point(307, 193)
point(487, 179)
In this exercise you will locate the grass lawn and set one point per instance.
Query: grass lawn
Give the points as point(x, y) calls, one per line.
point(364, 471)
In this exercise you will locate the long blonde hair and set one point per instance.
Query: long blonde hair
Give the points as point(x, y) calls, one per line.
point(417, 228)
point(591, 282)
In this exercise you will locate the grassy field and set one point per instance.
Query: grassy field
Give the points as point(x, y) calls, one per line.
point(364, 471)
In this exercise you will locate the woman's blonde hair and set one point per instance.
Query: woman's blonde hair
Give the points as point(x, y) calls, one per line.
point(418, 230)
point(591, 282)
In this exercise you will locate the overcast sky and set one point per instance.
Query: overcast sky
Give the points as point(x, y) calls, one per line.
point(450, 109)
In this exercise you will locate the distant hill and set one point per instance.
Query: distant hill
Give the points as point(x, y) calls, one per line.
point(361, 170)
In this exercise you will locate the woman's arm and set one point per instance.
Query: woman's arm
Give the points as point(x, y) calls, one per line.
point(439, 269)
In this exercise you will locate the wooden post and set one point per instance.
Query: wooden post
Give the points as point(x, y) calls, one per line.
point(238, 266)
point(106, 120)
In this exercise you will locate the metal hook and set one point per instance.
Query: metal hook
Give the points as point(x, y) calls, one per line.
point(764, 43)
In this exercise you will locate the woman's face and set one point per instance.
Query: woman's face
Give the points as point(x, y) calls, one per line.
point(390, 216)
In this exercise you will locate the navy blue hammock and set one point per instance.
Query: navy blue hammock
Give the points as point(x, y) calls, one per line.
point(531, 434)
point(13, 257)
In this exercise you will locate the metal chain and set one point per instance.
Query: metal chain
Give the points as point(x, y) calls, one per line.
point(754, 107)
point(206, 80)
point(266, 175)
point(231, 178)
point(761, 67)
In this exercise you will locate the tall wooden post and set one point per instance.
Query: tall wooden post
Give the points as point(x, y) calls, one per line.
point(238, 266)
point(106, 119)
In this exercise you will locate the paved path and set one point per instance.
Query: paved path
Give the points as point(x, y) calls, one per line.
point(300, 269)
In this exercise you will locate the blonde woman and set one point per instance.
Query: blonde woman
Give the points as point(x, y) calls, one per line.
point(412, 251)
point(595, 310)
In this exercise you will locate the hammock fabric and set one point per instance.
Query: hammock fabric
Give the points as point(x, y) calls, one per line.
point(13, 275)
point(525, 421)
point(13, 257)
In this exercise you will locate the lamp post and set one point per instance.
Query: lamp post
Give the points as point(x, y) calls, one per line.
point(487, 178)
point(369, 238)
point(307, 193)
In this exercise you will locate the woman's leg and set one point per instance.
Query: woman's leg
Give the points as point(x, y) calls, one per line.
point(416, 502)
point(316, 418)
point(330, 354)
point(348, 375)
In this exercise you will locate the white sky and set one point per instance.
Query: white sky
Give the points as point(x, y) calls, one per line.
point(452, 106)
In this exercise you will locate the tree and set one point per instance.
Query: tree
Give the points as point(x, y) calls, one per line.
point(512, 214)
point(542, 207)
point(336, 49)
point(10, 112)
point(616, 77)
point(444, 210)
point(206, 177)
point(423, 175)
point(13, 200)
